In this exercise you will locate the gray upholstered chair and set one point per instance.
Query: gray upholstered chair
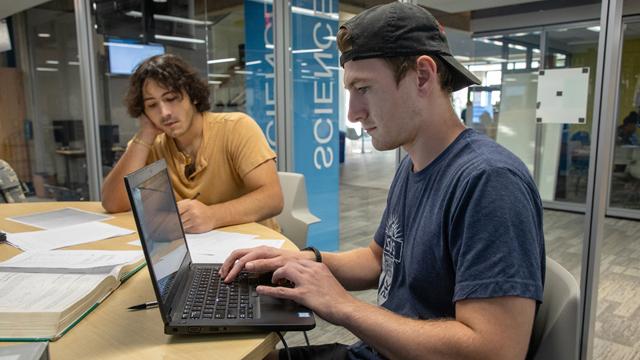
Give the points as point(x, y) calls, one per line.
point(295, 217)
point(555, 329)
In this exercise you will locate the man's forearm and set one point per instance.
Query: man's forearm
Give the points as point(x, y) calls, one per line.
point(258, 205)
point(356, 269)
point(114, 195)
point(398, 337)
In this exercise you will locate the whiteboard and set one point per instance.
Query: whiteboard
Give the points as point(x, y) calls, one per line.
point(562, 96)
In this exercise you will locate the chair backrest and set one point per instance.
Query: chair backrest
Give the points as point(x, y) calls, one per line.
point(555, 329)
point(352, 134)
point(11, 189)
point(295, 217)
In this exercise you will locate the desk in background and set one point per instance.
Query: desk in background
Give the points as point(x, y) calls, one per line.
point(112, 332)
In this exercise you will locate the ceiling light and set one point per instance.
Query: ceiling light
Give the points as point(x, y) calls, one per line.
point(303, 51)
point(176, 19)
point(179, 39)
point(44, 35)
point(220, 61)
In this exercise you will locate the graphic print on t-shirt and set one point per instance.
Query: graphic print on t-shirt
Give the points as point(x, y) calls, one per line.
point(392, 254)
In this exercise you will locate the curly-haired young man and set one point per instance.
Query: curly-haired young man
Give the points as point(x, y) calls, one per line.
point(220, 164)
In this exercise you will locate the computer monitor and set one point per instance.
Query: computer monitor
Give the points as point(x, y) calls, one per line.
point(67, 131)
point(124, 57)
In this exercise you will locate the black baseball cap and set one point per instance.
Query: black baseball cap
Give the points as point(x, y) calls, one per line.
point(400, 29)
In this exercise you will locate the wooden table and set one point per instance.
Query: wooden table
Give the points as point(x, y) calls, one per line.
point(112, 332)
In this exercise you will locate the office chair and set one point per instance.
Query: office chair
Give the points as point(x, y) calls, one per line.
point(555, 329)
point(295, 217)
point(352, 134)
point(578, 147)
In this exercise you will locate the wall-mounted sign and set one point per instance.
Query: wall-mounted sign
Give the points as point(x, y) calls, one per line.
point(562, 96)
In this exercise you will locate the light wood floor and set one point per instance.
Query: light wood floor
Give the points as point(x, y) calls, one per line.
point(364, 182)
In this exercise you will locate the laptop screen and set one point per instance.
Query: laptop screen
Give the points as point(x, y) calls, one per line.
point(159, 223)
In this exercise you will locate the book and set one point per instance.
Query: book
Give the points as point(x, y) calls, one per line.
point(31, 351)
point(44, 303)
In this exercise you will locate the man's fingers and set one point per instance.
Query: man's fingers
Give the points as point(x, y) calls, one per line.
point(291, 272)
point(263, 265)
point(278, 292)
point(230, 260)
point(182, 206)
point(251, 254)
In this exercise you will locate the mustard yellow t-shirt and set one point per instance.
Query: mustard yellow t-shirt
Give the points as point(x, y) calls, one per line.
point(232, 145)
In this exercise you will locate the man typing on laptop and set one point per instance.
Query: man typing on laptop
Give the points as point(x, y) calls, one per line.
point(458, 257)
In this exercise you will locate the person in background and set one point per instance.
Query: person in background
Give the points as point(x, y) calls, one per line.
point(458, 258)
point(221, 167)
point(626, 133)
point(467, 110)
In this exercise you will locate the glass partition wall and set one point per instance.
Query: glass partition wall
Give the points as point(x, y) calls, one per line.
point(617, 335)
point(53, 159)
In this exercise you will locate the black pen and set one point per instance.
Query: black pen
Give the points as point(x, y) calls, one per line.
point(143, 306)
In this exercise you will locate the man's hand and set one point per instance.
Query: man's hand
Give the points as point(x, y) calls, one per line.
point(196, 216)
point(315, 287)
point(148, 130)
point(259, 259)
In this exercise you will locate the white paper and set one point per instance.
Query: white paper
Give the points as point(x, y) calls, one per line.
point(47, 261)
point(28, 292)
point(135, 242)
point(59, 218)
point(66, 236)
point(9, 356)
point(220, 235)
point(215, 246)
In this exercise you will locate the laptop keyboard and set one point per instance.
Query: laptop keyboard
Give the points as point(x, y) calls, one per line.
point(210, 298)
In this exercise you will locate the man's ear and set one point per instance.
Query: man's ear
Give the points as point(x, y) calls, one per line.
point(427, 71)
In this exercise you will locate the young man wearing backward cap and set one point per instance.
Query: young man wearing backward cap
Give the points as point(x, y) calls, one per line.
point(458, 258)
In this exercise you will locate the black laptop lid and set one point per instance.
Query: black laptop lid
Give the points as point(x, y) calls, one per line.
point(160, 229)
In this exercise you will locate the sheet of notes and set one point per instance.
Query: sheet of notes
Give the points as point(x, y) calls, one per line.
point(65, 236)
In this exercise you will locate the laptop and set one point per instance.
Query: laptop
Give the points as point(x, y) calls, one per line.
point(192, 297)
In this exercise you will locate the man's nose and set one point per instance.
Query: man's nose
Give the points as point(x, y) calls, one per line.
point(357, 111)
point(165, 110)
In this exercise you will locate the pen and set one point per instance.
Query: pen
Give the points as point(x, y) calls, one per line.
point(146, 305)
point(3, 237)
point(195, 196)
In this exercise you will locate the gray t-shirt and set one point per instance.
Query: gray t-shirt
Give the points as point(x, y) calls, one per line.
point(467, 226)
